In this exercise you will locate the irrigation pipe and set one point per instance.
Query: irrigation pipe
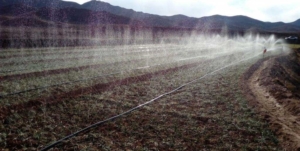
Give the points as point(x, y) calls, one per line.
point(141, 105)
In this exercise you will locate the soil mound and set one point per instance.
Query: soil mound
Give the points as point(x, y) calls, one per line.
point(273, 88)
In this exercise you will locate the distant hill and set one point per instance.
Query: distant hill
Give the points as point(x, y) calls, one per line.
point(98, 12)
point(210, 22)
point(41, 3)
point(16, 10)
point(297, 22)
point(81, 16)
point(25, 21)
point(24, 15)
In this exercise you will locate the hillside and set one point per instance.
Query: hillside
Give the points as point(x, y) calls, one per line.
point(80, 16)
point(98, 12)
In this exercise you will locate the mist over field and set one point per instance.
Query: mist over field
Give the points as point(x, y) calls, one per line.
point(94, 76)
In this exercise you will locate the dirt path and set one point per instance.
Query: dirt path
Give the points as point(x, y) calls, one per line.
point(285, 124)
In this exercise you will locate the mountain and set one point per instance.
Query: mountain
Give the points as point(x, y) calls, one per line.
point(20, 14)
point(148, 19)
point(215, 22)
point(103, 6)
point(41, 3)
point(81, 16)
point(25, 21)
point(210, 22)
point(16, 10)
point(297, 22)
point(242, 23)
point(98, 12)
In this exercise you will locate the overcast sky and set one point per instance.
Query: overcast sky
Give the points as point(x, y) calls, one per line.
point(264, 10)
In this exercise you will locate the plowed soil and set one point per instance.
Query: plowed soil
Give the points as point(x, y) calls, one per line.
point(92, 89)
point(272, 87)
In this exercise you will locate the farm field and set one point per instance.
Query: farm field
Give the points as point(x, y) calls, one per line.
point(49, 93)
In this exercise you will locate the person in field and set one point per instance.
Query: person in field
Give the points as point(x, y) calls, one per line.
point(265, 50)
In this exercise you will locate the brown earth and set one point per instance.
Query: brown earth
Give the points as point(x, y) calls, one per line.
point(56, 98)
point(272, 87)
point(70, 52)
point(45, 60)
point(63, 59)
point(61, 70)
point(4, 111)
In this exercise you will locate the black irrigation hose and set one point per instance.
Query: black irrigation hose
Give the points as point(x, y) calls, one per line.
point(141, 105)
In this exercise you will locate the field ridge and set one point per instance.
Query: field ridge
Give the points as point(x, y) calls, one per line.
point(276, 103)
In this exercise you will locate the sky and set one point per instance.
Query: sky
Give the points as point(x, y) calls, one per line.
point(264, 10)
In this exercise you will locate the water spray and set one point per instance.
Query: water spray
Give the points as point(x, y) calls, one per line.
point(220, 52)
point(241, 44)
point(144, 104)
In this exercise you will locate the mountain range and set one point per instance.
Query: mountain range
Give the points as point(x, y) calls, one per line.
point(43, 13)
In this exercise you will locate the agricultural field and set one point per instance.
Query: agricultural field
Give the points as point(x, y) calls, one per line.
point(49, 93)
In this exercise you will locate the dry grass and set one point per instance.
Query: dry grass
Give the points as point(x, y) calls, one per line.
point(211, 114)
